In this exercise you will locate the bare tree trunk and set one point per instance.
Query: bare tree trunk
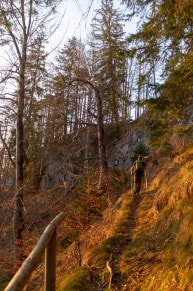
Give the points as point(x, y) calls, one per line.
point(18, 220)
point(19, 23)
point(101, 142)
point(103, 177)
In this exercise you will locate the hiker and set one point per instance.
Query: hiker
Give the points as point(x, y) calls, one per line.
point(138, 171)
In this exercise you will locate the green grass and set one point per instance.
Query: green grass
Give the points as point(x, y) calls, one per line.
point(100, 255)
point(76, 281)
point(4, 280)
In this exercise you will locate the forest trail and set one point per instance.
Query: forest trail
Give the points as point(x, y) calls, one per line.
point(127, 234)
point(140, 242)
point(104, 252)
point(127, 222)
point(135, 206)
point(147, 239)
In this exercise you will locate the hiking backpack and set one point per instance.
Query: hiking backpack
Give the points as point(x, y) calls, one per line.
point(139, 165)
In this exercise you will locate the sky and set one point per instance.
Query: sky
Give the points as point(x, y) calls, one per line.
point(76, 18)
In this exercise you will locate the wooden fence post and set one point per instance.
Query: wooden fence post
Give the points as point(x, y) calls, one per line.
point(20, 279)
point(50, 264)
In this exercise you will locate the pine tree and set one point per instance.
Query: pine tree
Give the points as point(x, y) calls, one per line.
point(163, 42)
point(71, 100)
point(141, 149)
point(108, 44)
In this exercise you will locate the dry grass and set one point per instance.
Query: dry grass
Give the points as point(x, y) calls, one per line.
point(147, 240)
point(160, 255)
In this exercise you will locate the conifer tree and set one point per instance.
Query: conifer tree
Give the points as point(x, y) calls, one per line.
point(164, 43)
point(163, 39)
point(71, 64)
point(108, 44)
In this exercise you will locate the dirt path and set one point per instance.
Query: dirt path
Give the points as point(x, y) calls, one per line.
point(117, 282)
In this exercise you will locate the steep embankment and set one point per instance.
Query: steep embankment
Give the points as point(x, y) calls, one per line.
point(144, 242)
point(141, 242)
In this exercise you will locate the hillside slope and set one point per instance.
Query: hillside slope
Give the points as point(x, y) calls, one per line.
point(146, 242)
point(141, 242)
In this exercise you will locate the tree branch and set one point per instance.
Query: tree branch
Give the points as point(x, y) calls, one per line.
point(7, 148)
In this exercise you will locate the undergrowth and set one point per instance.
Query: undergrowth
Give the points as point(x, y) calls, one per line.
point(76, 281)
point(151, 242)
point(128, 243)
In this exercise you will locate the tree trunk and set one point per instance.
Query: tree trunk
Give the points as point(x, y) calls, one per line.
point(103, 177)
point(101, 142)
point(18, 220)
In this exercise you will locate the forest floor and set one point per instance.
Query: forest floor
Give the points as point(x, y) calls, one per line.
point(140, 243)
point(109, 243)
point(143, 242)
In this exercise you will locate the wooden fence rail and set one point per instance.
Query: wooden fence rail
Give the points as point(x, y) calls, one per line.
point(47, 243)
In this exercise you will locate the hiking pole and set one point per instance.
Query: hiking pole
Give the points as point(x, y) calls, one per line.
point(131, 183)
point(134, 178)
point(146, 179)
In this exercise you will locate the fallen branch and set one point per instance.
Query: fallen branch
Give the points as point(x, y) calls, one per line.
point(110, 272)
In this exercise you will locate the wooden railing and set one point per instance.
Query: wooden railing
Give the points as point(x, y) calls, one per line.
point(47, 243)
